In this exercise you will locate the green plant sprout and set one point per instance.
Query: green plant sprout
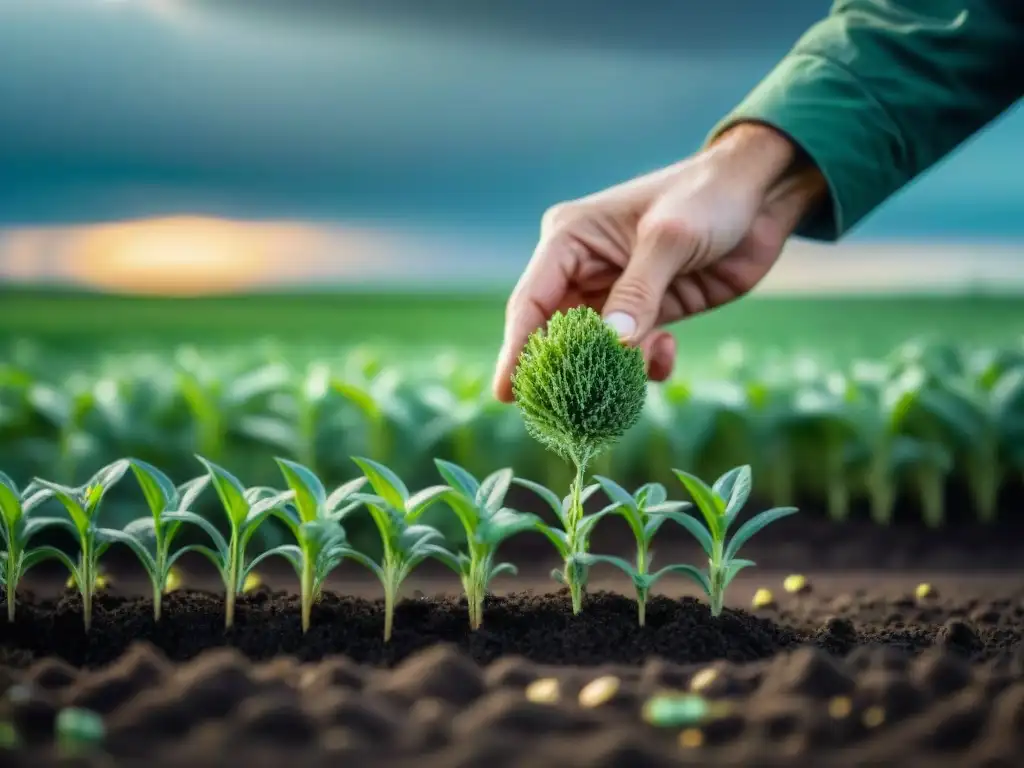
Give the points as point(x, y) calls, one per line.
point(16, 530)
point(405, 542)
point(720, 505)
point(245, 509)
point(572, 540)
point(579, 389)
point(82, 505)
point(314, 518)
point(644, 512)
point(150, 537)
point(480, 507)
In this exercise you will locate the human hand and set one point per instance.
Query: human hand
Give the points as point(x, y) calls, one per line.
point(661, 247)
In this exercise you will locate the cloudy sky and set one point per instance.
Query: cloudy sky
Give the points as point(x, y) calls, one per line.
point(380, 135)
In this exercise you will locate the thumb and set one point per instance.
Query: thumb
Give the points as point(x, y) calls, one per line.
point(634, 302)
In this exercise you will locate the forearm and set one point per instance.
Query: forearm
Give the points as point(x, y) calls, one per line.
point(882, 90)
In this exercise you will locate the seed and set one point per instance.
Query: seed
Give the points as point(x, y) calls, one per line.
point(763, 598)
point(703, 679)
point(543, 691)
point(79, 727)
point(691, 738)
point(672, 710)
point(873, 717)
point(924, 591)
point(174, 580)
point(252, 581)
point(796, 584)
point(840, 707)
point(599, 691)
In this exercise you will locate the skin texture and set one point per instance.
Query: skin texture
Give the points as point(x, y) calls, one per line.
point(665, 246)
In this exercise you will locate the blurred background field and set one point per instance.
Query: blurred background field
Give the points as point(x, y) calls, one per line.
point(210, 189)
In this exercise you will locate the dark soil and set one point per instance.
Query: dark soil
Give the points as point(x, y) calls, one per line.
point(838, 677)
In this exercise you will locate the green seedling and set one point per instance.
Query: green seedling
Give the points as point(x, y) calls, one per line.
point(314, 518)
point(405, 542)
point(480, 507)
point(245, 509)
point(644, 512)
point(572, 539)
point(83, 505)
point(16, 530)
point(719, 505)
point(151, 537)
point(579, 389)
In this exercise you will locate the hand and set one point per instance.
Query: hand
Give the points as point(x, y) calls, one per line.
point(677, 242)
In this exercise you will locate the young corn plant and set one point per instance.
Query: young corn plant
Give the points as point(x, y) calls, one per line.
point(314, 519)
point(406, 543)
point(150, 537)
point(245, 509)
point(480, 507)
point(579, 389)
point(17, 530)
point(82, 505)
point(644, 511)
point(719, 505)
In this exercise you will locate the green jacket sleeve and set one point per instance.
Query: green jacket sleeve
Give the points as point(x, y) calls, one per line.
point(881, 90)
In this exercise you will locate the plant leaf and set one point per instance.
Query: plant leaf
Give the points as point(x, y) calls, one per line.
point(141, 528)
point(694, 527)
point(547, 494)
point(157, 488)
point(68, 498)
point(615, 492)
point(556, 536)
point(708, 504)
point(587, 559)
point(112, 535)
point(37, 555)
point(384, 482)
point(733, 488)
point(457, 477)
point(10, 500)
point(421, 501)
point(289, 552)
point(733, 568)
point(208, 528)
point(342, 494)
point(310, 494)
point(188, 492)
point(504, 524)
point(752, 526)
point(230, 491)
point(691, 571)
point(491, 494)
point(501, 568)
point(653, 494)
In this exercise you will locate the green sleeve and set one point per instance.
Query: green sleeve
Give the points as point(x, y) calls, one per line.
point(881, 90)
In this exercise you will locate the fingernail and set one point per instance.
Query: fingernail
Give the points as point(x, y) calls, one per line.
point(621, 323)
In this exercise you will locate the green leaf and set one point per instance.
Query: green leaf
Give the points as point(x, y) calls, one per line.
point(548, 495)
point(113, 535)
point(289, 552)
point(733, 488)
point(310, 494)
point(157, 488)
point(416, 536)
point(188, 492)
point(615, 492)
point(142, 528)
point(457, 477)
point(586, 525)
point(344, 493)
point(491, 494)
point(33, 525)
point(37, 555)
point(588, 560)
point(694, 527)
point(706, 501)
point(652, 494)
point(201, 522)
point(752, 526)
point(443, 555)
point(230, 491)
point(385, 483)
point(733, 568)
point(69, 499)
point(501, 568)
point(421, 501)
point(556, 536)
point(10, 500)
point(692, 572)
point(504, 524)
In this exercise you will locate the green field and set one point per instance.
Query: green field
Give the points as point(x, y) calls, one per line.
point(418, 324)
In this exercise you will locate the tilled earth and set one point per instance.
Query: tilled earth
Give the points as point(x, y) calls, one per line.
point(859, 671)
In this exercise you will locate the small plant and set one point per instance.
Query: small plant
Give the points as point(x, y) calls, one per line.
point(150, 537)
point(579, 389)
point(245, 509)
point(405, 542)
point(719, 505)
point(487, 522)
point(572, 540)
point(16, 530)
point(313, 517)
point(83, 505)
point(645, 512)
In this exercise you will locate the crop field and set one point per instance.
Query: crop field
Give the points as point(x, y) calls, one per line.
point(336, 547)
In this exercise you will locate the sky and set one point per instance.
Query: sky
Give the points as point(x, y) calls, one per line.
point(445, 132)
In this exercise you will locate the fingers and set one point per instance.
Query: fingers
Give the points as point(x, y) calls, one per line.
point(539, 293)
point(659, 350)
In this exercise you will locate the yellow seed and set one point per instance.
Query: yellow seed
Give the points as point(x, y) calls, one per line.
point(795, 583)
point(100, 582)
point(543, 691)
point(703, 679)
point(763, 598)
point(924, 590)
point(873, 717)
point(174, 580)
point(599, 691)
point(252, 581)
point(840, 707)
point(691, 738)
